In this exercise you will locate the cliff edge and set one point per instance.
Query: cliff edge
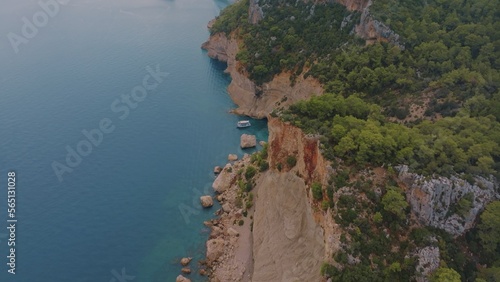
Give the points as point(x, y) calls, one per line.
point(252, 100)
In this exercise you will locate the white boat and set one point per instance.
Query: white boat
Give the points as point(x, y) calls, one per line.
point(243, 124)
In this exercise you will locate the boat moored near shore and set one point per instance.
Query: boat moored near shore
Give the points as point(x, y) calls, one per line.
point(243, 124)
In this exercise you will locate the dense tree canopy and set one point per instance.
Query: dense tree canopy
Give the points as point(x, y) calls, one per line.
point(489, 229)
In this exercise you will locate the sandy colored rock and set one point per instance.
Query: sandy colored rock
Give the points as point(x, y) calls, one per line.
point(186, 270)
point(226, 207)
point(232, 157)
point(181, 278)
point(288, 243)
point(185, 261)
point(248, 141)
point(217, 169)
point(232, 232)
point(215, 248)
point(206, 201)
point(224, 179)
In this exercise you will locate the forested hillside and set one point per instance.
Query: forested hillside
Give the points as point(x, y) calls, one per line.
point(446, 64)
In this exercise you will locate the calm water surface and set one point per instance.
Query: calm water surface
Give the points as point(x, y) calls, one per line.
point(120, 207)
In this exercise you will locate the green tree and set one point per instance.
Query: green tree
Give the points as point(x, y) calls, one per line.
point(489, 228)
point(444, 274)
point(394, 202)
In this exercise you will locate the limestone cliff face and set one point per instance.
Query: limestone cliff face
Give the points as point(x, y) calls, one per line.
point(369, 28)
point(432, 200)
point(277, 93)
point(355, 5)
point(288, 239)
point(255, 13)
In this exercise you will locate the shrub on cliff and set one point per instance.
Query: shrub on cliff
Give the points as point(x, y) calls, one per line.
point(317, 191)
point(291, 161)
point(250, 172)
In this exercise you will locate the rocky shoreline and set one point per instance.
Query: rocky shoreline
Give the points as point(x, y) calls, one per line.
point(229, 246)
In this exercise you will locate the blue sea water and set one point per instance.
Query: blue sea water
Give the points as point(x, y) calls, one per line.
point(132, 204)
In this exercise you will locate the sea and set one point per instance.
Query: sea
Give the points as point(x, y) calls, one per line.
point(112, 119)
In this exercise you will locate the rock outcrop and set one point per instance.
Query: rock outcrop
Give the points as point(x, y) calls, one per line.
point(355, 5)
point(248, 141)
point(428, 261)
point(287, 140)
point(206, 201)
point(255, 13)
point(225, 179)
point(288, 239)
point(185, 261)
point(277, 93)
point(434, 201)
point(215, 248)
point(369, 28)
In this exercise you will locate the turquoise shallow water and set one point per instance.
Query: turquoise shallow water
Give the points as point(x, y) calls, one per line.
point(120, 208)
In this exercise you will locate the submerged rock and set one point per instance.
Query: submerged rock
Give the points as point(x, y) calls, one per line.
point(206, 201)
point(186, 270)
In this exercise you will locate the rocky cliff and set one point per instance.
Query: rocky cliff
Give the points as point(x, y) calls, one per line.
point(277, 93)
point(369, 28)
point(435, 202)
point(288, 240)
point(255, 13)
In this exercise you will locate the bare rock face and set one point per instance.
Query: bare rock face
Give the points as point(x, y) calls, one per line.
point(287, 140)
point(255, 13)
point(206, 201)
point(181, 278)
point(288, 243)
point(224, 179)
point(428, 261)
point(232, 157)
point(248, 141)
point(432, 200)
point(373, 30)
point(215, 248)
point(354, 5)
